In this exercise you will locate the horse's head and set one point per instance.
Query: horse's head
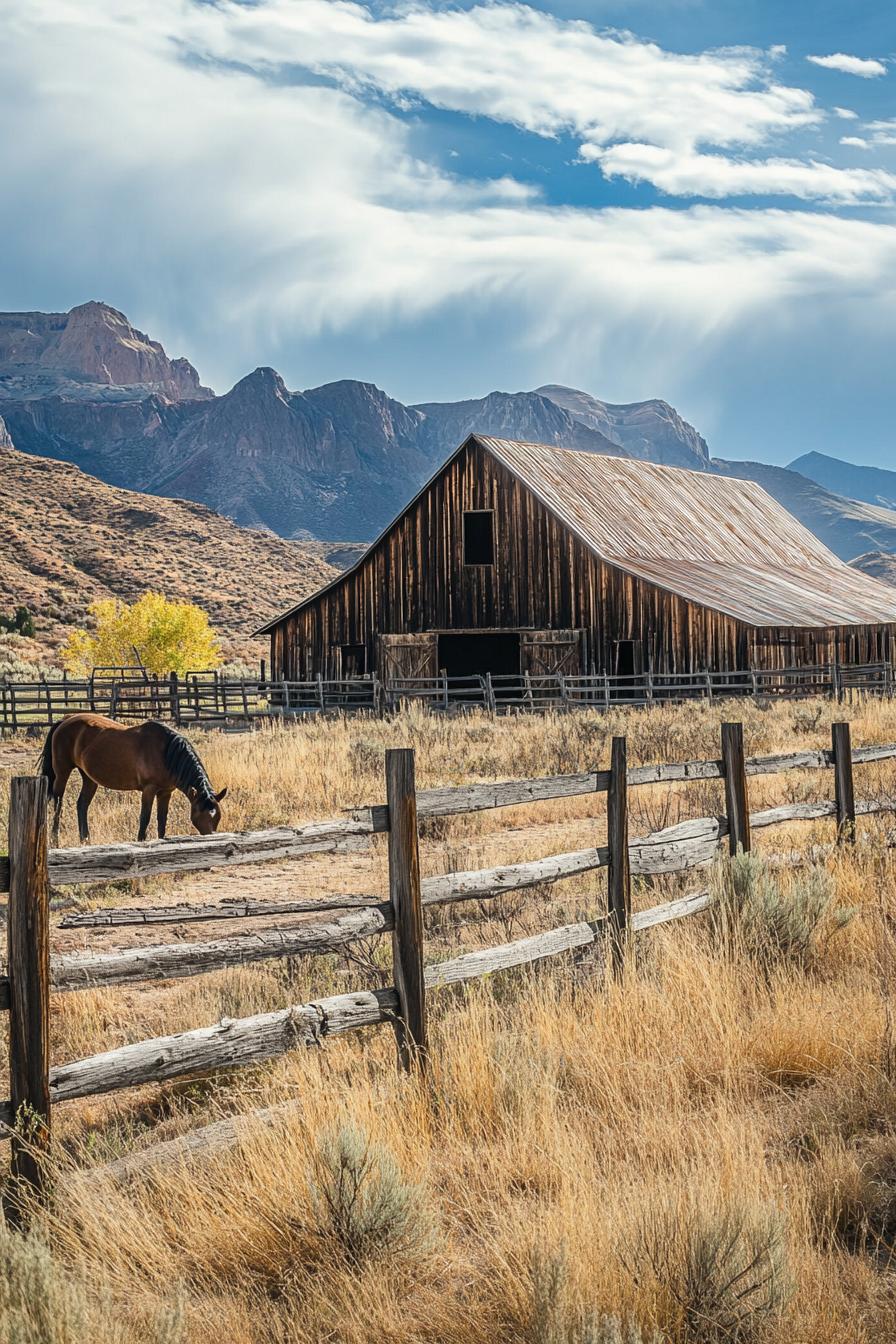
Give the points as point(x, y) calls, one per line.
point(205, 810)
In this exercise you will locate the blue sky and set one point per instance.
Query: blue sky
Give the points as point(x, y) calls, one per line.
point(682, 199)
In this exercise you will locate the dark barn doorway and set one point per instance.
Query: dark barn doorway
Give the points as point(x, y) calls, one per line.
point(474, 655)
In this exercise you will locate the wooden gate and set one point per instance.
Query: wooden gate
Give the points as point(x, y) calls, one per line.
point(402, 656)
point(550, 653)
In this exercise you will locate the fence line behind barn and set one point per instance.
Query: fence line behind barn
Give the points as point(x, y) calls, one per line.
point(32, 973)
point(212, 699)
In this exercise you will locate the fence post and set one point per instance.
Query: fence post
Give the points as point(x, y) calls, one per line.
point(737, 803)
point(174, 697)
point(28, 958)
point(844, 790)
point(619, 895)
point(404, 894)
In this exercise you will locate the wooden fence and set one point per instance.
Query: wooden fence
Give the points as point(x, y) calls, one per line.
point(32, 973)
point(210, 698)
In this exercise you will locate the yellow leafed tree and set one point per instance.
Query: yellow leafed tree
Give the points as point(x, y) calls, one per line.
point(168, 636)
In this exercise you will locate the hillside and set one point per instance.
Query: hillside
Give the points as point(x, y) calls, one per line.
point(68, 539)
point(879, 564)
point(847, 526)
point(874, 485)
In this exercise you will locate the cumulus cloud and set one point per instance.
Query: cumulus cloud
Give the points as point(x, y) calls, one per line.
point(865, 68)
point(854, 141)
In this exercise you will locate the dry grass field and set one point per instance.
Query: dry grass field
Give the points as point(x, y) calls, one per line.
point(702, 1152)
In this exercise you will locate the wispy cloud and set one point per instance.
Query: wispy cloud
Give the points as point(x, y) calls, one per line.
point(864, 67)
point(882, 132)
point(854, 141)
point(719, 176)
point(235, 198)
point(846, 114)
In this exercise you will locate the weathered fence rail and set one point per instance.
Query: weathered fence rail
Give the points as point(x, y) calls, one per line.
point(32, 973)
point(213, 699)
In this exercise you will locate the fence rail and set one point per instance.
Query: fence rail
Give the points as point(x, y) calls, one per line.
point(32, 972)
point(211, 699)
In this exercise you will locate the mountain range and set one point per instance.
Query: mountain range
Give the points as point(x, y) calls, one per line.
point(338, 461)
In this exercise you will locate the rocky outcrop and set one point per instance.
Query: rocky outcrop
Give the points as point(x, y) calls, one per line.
point(650, 430)
point(527, 416)
point(92, 346)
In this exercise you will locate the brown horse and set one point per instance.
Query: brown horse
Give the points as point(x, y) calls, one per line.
point(149, 758)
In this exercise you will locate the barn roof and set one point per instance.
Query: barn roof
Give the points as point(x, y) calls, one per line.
point(714, 540)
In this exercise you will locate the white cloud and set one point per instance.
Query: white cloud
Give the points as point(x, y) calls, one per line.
point(865, 68)
point(882, 132)
point(854, 141)
point(716, 175)
point(846, 114)
point(227, 204)
point(518, 65)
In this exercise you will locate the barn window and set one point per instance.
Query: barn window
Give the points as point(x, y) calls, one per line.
point(479, 537)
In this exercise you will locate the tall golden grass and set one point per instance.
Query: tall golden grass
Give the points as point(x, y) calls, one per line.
point(701, 1151)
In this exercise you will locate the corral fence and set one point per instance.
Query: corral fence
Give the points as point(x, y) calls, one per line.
point(209, 698)
point(32, 973)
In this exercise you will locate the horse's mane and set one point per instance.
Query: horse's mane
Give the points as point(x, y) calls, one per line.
point(184, 765)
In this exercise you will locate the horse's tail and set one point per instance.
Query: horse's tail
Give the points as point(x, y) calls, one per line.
point(46, 761)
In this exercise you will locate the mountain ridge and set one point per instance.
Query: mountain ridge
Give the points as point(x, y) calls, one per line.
point(873, 485)
point(340, 459)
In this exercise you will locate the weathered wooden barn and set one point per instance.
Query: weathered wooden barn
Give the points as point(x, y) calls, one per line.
point(519, 557)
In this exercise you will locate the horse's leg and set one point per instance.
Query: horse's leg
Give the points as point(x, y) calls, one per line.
point(147, 798)
point(56, 794)
point(85, 798)
point(162, 802)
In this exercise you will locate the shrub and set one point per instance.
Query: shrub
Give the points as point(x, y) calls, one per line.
point(767, 922)
point(361, 1201)
point(723, 1268)
point(20, 623)
point(40, 1303)
point(555, 1321)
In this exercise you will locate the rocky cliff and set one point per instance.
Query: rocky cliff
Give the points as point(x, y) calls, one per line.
point(651, 430)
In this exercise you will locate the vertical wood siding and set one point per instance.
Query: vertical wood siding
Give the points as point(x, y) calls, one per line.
point(543, 578)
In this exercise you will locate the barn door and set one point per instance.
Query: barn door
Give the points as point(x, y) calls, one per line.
point(408, 656)
point(549, 653)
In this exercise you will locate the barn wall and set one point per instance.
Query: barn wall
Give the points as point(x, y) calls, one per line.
point(543, 579)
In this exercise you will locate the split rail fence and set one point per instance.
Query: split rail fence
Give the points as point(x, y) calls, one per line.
point(32, 973)
point(209, 698)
